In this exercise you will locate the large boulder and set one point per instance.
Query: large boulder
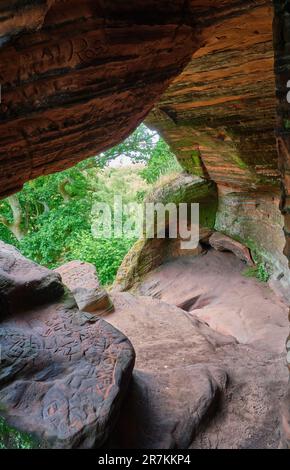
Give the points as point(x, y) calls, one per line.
point(63, 375)
point(165, 410)
point(82, 280)
point(24, 284)
point(63, 372)
point(177, 383)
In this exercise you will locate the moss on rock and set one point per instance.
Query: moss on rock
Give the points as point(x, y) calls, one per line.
point(10, 438)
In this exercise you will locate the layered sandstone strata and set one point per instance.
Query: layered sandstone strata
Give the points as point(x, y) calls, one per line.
point(78, 76)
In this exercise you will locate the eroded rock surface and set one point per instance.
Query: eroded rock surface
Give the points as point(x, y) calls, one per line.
point(63, 373)
point(207, 374)
point(221, 242)
point(82, 280)
point(282, 73)
point(18, 17)
point(149, 253)
point(219, 113)
point(219, 117)
point(164, 410)
point(78, 76)
point(172, 392)
point(193, 386)
point(23, 283)
point(213, 288)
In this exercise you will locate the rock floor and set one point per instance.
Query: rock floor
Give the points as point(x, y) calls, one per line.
point(210, 369)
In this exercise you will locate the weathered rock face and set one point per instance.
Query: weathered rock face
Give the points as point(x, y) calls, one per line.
point(149, 253)
point(78, 76)
point(63, 378)
point(151, 418)
point(282, 68)
point(180, 396)
point(282, 72)
point(83, 79)
point(24, 284)
point(221, 242)
point(171, 396)
point(219, 116)
point(254, 218)
point(213, 288)
point(82, 280)
point(18, 17)
point(63, 373)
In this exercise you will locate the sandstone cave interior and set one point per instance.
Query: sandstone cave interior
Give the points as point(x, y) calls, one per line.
point(141, 344)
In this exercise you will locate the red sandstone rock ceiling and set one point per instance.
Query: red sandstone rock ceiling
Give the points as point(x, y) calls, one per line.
point(223, 105)
point(83, 80)
point(78, 76)
point(17, 16)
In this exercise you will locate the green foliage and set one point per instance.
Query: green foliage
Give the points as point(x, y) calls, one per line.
point(162, 162)
point(105, 253)
point(138, 147)
point(64, 232)
point(5, 234)
point(42, 201)
point(57, 208)
point(56, 219)
point(10, 438)
point(48, 243)
point(260, 272)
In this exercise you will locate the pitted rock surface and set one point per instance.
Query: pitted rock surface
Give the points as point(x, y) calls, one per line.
point(63, 375)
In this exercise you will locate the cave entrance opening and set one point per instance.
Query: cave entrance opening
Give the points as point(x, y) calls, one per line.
point(51, 220)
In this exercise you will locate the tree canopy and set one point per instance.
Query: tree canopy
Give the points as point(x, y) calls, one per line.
point(50, 219)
